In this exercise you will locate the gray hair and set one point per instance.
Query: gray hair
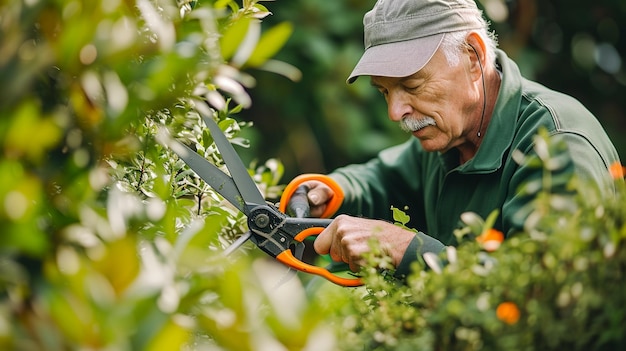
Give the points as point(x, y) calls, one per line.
point(454, 42)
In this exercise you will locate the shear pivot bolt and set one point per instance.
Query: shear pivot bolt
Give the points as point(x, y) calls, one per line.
point(262, 220)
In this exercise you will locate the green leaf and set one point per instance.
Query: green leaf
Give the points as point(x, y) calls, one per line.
point(261, 8)
point(269, 44)
point(64, 309)
point(236, 110)
point(173, 336)
point(491, 220)
point(29, 134)
point(233, 37)
point(207, 139)
point(220, 4)
point(120, 263)
point(400, 216)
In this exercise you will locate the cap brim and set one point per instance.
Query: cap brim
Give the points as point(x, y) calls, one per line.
point(399, 59)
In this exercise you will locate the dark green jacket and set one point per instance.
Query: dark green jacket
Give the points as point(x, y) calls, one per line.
point(437, 190)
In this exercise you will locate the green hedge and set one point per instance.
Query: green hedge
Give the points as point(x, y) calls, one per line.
point(559, 285)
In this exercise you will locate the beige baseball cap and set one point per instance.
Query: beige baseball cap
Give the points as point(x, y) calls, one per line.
point(401, 36)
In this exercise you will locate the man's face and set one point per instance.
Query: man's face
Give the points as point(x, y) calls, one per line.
point(438, 103)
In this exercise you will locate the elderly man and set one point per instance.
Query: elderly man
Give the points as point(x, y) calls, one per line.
point(468, 108)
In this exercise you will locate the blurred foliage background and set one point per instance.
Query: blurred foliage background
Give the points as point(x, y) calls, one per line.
point(107, 240)
point(320, 123)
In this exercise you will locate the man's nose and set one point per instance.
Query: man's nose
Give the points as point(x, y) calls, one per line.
point(397, 107)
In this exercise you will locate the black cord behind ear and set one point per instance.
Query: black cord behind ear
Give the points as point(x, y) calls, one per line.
point(482, 74)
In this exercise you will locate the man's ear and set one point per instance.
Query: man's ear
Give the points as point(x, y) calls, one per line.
point(477, 42)
point(477, 51)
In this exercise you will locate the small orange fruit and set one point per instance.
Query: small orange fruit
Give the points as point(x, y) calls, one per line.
point(490, 239)
point(508, 312)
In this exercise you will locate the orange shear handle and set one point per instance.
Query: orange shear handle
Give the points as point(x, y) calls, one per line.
point(333, 204)
point(287, 258)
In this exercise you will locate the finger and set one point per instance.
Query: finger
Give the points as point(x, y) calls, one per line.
point(335, 254)
point(352, 256)
point(318, 199)
point(354, 267)
point(319, 194)
point(317, 211)
point(324, 240)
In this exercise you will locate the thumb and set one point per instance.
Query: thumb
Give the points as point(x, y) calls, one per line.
point(320, 194)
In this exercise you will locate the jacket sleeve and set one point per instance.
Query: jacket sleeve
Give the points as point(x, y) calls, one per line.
point(392, 178)
point(420, 244)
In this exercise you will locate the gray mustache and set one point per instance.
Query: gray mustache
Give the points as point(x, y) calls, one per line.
point(412, 124)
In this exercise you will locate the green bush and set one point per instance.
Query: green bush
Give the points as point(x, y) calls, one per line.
point(108, 241)
point(556, 286)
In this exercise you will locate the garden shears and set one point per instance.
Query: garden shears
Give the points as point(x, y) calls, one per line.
point(270, 228)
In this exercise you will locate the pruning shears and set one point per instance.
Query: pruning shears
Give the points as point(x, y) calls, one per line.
point(270, 228)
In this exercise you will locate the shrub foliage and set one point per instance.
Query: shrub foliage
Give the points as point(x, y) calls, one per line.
point(558, 285)
point(108, 241)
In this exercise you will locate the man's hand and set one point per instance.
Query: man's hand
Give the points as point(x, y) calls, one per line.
point(319, 194)
point(347, 239)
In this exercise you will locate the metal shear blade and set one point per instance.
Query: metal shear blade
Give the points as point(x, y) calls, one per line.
point(210, 173)
point(243, 182)
point(270, 229)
